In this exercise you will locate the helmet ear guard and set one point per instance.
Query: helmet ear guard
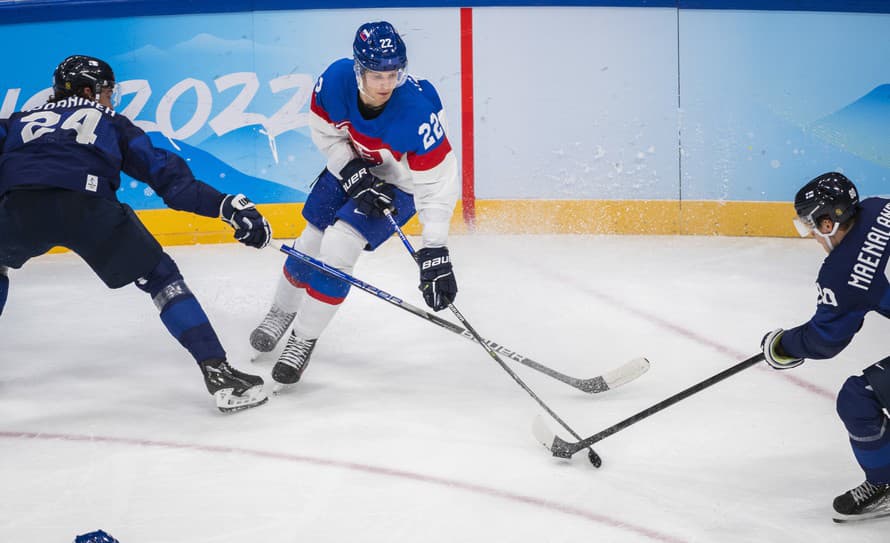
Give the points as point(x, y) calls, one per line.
point(831, 195)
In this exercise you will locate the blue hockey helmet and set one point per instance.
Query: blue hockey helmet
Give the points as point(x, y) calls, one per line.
point(829, 195)
point(79, 71)
point(379, 48)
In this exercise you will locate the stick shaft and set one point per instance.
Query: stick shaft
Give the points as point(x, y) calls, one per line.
point(592, 385)
point(572, 448)
point(487, 348)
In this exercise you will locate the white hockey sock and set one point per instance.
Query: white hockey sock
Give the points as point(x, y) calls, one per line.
point(341, 247)
point(287, 296)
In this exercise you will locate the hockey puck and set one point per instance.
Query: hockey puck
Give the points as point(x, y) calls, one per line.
point(594, 458)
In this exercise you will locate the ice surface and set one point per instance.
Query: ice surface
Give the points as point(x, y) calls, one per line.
point(403, 432)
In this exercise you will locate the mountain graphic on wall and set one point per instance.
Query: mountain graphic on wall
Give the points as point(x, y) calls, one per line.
point(210, 169)
point(862, 128)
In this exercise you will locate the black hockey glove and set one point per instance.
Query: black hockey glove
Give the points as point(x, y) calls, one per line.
point(437, 281)
point(251, 228)
point(774, 354)
point(371, 194)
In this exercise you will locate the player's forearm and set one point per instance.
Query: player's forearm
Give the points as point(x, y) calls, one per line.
point(805, 342)
point(435, 193)
point(333, 144)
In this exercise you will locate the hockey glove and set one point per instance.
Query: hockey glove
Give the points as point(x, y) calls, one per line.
point(4, 287)
point(371, 194)
point(437, 281)
point(251, 228)
point(774, 354)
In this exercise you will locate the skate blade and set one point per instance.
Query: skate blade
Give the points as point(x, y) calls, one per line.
point(281, 388)
point(882, 512)
point(227, 402)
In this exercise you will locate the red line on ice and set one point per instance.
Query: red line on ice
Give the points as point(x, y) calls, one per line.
point(365, 468)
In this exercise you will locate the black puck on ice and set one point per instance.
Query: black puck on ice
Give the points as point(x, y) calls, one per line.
point(594, 458)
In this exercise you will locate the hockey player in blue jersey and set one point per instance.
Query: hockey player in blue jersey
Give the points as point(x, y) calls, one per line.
point(60, 166)
point(383, 135)
point(851, 283)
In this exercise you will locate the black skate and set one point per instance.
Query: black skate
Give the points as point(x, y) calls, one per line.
point(863, 502)
point(233, 390)
point(293, 360)
point(268, 333)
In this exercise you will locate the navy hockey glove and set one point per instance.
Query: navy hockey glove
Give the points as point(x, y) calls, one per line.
point(774, 354)
point(437, 281)
point(251, 228)
point(4, 287)
point(371, 194)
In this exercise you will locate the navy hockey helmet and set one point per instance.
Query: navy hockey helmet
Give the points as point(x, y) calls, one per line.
point(379, 48)
point(829, 195)
point(99, 536)
point(79, 71)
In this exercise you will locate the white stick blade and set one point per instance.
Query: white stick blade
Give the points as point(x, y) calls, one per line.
point(542, 432)
point(626, 372)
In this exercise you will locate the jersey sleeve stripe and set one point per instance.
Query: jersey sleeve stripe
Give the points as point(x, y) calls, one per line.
point(316, 108)
point(428, 161)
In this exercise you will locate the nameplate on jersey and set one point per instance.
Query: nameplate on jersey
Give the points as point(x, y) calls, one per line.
point(872, 251)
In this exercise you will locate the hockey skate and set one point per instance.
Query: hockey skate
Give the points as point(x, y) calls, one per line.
point(293, 360)
point(268, 333)
point(233, 390)
point(863, 502)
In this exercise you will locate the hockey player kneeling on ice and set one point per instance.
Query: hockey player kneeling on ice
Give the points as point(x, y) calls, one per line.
point(383, 133)
point(60, 167)
point(850, 284)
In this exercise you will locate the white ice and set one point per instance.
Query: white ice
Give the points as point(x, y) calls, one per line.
point(402, 431)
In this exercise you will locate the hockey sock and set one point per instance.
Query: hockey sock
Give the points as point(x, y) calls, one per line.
point(4, 288)
point(180, 311)
point(866, 424)
point(341, 247)
point(297, 274)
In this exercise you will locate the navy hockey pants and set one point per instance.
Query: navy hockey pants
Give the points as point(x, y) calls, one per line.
point(863, 415)
point(105, 233)
point(113, 241)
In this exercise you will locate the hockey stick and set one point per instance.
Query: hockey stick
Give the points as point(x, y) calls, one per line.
point(565, 449)
point(616, 377)
point(592, 456)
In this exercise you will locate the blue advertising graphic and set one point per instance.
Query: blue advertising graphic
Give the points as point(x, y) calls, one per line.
point(770, 100)
point(230, 92)
point(218, 97)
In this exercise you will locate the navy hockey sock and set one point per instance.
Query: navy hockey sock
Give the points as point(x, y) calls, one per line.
point(180, 311)
point(4, 290)
point(866, 424)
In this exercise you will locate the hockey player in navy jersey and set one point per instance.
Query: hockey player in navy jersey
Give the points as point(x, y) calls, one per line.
point(60, 167)
point(383, 135)
point(852, 282)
